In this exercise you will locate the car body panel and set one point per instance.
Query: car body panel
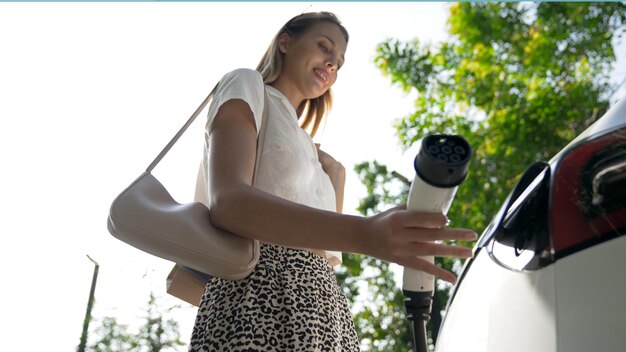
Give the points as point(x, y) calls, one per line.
point(520, 304)
point(591, 310)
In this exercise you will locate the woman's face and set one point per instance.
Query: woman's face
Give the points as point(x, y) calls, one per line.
point(311, 61)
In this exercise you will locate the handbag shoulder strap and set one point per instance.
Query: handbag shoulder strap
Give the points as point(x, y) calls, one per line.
point(260, 139)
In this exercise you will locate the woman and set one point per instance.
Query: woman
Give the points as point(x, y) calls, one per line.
point(291, 301)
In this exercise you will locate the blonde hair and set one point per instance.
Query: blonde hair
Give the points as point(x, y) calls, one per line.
point(312, 111)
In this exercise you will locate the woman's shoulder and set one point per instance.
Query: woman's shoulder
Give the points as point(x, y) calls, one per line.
point(243, 84)
point(244, 74)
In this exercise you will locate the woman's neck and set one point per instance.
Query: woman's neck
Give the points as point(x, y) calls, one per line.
point(289, 90)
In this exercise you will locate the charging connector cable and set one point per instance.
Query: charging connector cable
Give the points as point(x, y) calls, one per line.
point(441, 165)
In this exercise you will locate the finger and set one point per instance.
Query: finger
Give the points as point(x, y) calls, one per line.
point(430, 235)
point(425, 220)
point(423, 249)
point(432, 269)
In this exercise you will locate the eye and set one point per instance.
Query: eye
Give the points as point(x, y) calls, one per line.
point(323, 47)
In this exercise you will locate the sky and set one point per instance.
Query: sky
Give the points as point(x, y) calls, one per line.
point(91, 92)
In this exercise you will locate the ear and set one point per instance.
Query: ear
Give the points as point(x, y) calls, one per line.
point(283, 42)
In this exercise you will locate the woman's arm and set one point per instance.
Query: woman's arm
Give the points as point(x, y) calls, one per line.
point(396, 235)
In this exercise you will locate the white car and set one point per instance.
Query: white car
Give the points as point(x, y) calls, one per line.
point(549, 272)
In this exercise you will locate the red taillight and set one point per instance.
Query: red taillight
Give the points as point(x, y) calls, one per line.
point(588, 199)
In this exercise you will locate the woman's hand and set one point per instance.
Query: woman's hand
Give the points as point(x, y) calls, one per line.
point(336, 172)
point(402, 236)
point(329, 164)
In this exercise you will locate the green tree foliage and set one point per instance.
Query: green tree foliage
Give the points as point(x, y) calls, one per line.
point(113, 337)
point(156, 334)
point(518, 81)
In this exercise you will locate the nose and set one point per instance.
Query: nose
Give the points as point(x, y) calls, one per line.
point(332, 62)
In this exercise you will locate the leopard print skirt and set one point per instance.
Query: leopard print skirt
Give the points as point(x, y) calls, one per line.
point(290, 302)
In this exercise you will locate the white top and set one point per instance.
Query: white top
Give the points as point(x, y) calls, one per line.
point(289, 167)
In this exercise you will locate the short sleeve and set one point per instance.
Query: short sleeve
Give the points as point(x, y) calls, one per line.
point(244, 84)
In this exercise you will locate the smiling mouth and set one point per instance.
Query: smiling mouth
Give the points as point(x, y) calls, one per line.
point(322, 75)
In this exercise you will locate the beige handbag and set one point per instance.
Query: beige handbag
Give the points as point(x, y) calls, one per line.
point(186, 284)
point(146, 216)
